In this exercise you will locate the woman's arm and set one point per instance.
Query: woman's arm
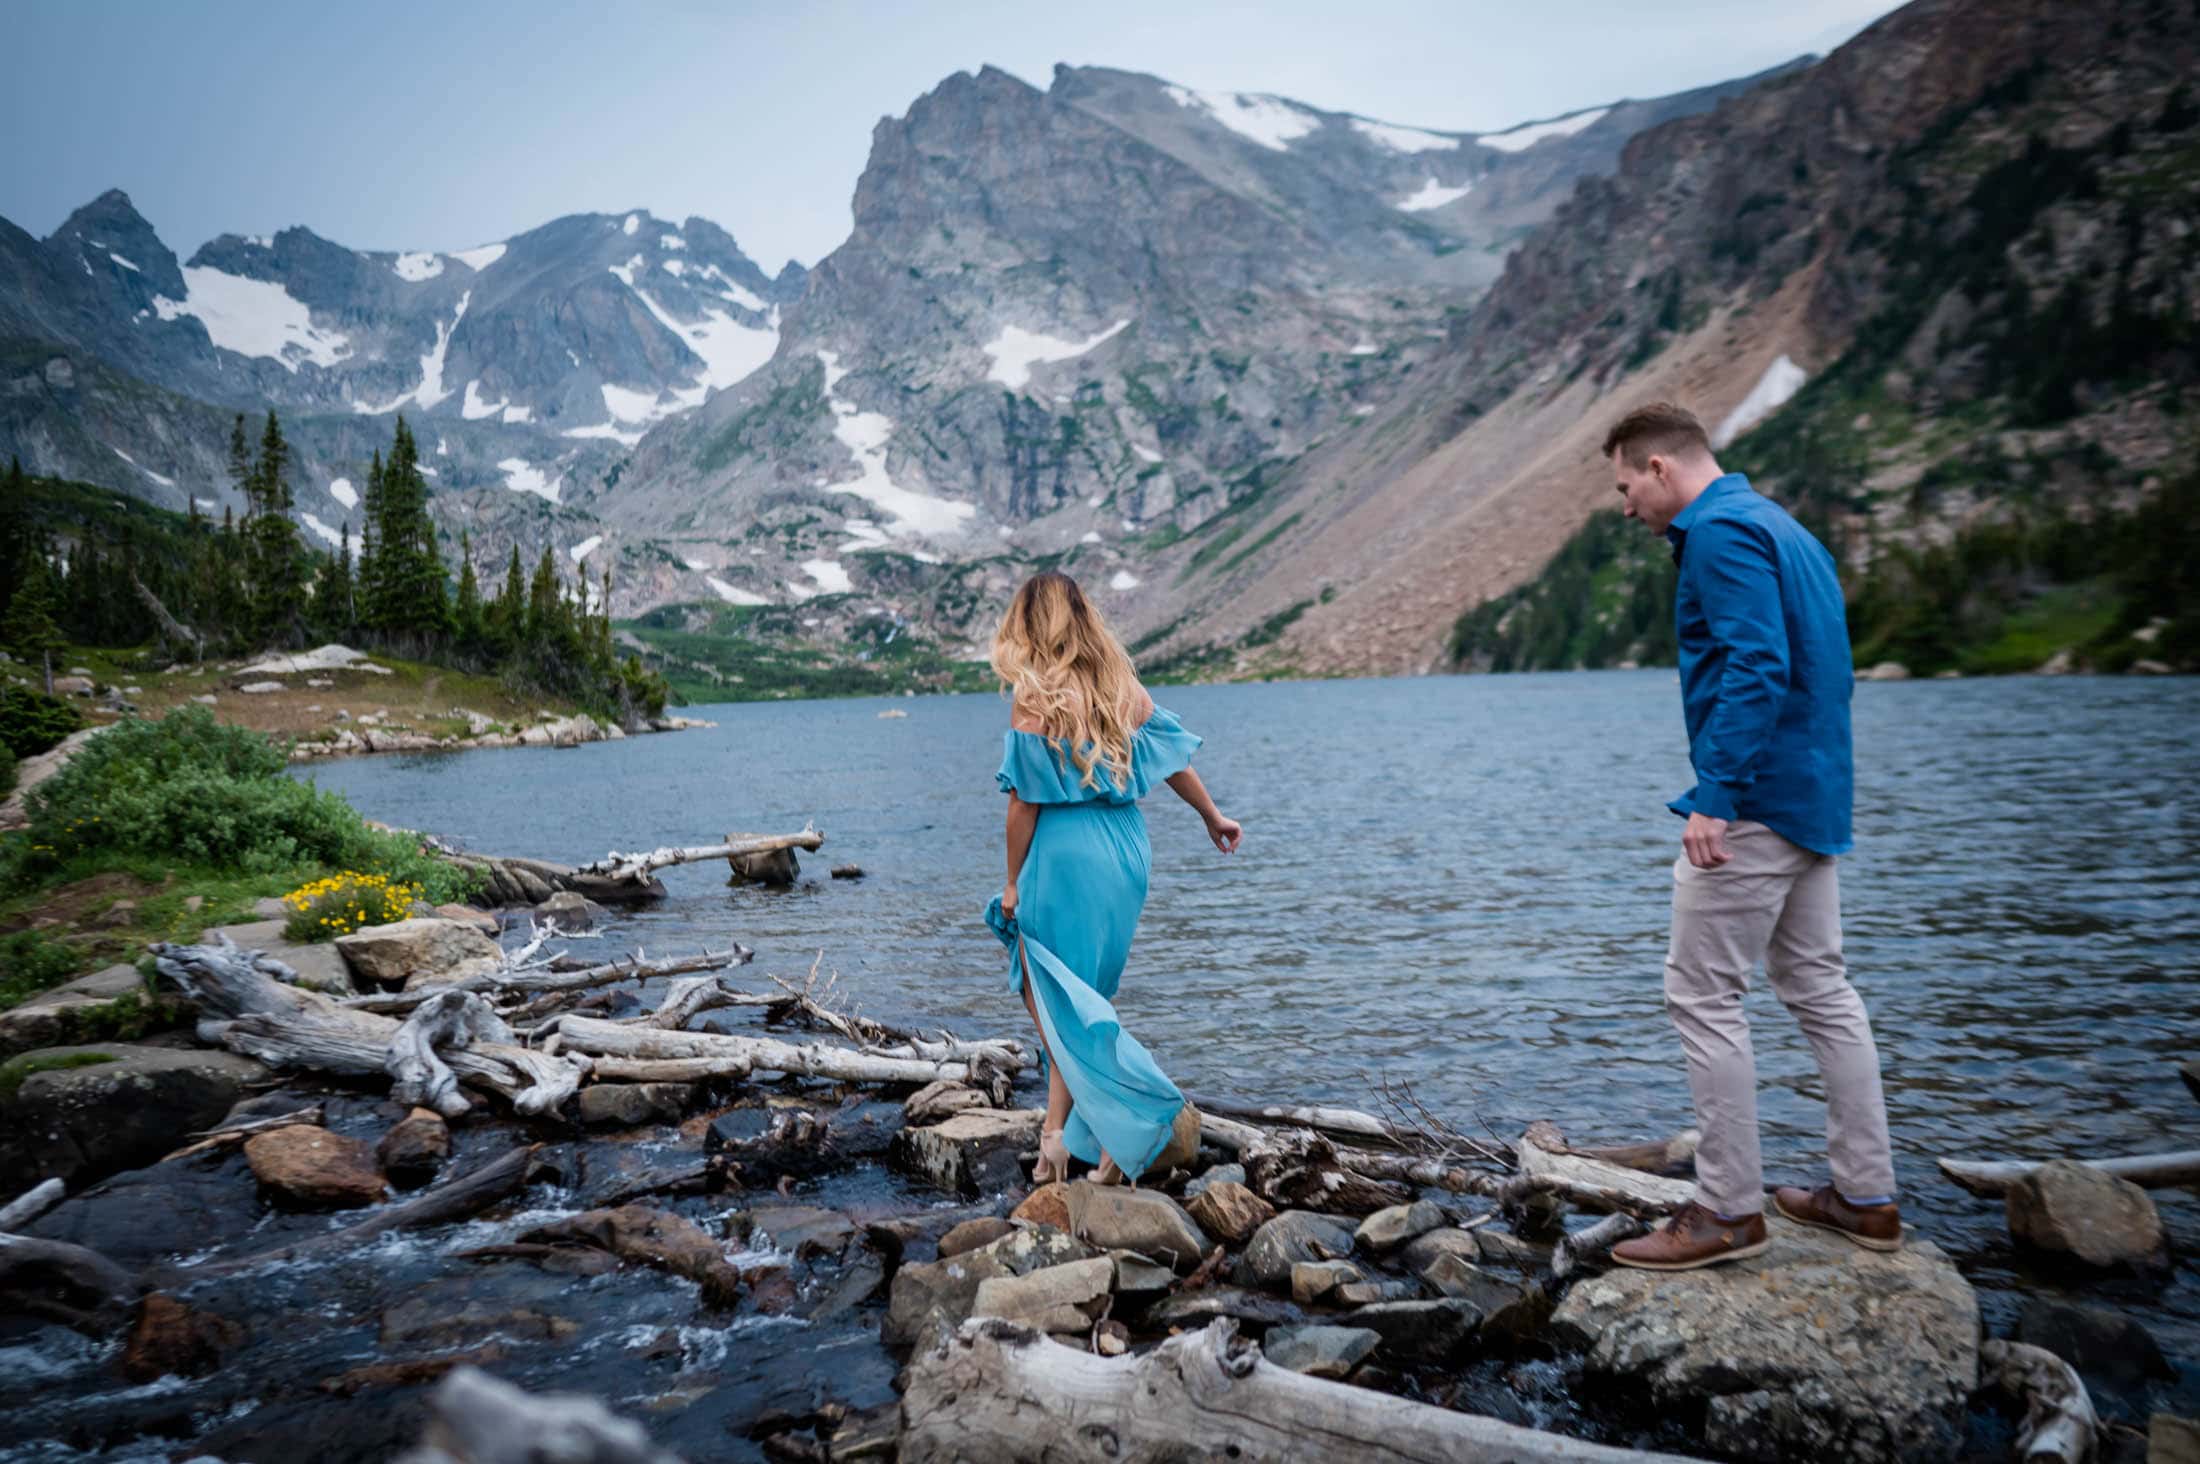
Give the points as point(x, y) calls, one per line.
point(1023, 820)
point(1224, 831)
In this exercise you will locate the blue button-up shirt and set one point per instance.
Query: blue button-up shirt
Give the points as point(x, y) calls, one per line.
point(1765, 672)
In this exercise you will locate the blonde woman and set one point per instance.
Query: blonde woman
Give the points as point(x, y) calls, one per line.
point(1085, 743)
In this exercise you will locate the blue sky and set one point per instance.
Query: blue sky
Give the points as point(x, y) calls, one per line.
point(441, 126)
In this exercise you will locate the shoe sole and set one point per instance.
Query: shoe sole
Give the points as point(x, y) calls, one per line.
point(1866, 1241)
point(1740, 1253)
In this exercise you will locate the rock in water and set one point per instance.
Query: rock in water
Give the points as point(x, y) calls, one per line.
point(85, 1112)
point(974, 1149)
point(777, 867)
point(2108, 1349)
point(2172, 1440)
point(314, 1169)
point(170, 1338)
point(2075, 1210)
point(1816, 1349)
point(414, 1148)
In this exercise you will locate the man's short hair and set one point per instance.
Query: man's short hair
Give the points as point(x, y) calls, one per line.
point(1661, 428)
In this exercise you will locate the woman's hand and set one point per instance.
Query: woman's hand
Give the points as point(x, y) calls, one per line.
point(1225, 832)
point(1008, 903)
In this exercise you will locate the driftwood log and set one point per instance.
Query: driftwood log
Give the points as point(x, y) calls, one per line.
point(512, 880)
point(626, 869)
point(541, 980)
point(475, 1419)
point(236, 1133)
point(725, 1055)
point(2059, 1422)
point(996, 1390)
point(1592, 1241)
point(455, 1020)
point(171, 629)
point(1992, 1177)
point(31, 1204)
point(245, 1009)
point(59, 1282)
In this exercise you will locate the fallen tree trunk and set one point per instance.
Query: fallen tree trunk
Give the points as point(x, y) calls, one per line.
point(886, 1040)
point(1992, 1177)
point(2059, 1422)
point(997, 1392)
point(628, 867)
point(1595, 1240)
point(171, 629)
point(512, 880)
point(540, 980)
point(1335, 1122)
point(738, 1056)
point(455, 1199)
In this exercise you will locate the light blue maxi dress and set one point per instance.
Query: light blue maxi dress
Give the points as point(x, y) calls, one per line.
point(1078, 898)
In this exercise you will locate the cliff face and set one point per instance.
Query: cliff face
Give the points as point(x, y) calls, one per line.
point(1957, 254)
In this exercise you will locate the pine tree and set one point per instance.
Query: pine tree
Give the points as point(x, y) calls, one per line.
point(29, 631)
point(333, 596)
point(278, 605)
point(408, 559)
point(468, 614)
point(15, 530)
point(507, 618)
point(545, 605)
point(240, 459)
point(373, 591)
point(603, 622)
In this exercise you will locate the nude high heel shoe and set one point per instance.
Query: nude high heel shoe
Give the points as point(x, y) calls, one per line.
point(1053, 1162)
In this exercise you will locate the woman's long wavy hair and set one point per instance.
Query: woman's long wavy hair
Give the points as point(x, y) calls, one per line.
point(1059, 662)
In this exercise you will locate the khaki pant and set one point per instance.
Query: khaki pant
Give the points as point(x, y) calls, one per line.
point(1779, 904)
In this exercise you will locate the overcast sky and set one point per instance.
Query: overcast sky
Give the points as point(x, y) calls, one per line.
point(411, 125)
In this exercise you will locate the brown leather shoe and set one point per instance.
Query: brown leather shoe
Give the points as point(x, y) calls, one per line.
point(1874, 1227)
point(1693, 1238)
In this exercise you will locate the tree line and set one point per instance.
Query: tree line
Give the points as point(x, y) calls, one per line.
point(199, 587)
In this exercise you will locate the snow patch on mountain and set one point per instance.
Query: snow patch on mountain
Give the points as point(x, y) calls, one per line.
point(514, 415)
point(1404, 139)
point(1433, 195)
point(331, 536)
point(341, 490)
point(1782, 380)
point(476, 407)
point(633, 223)
point(253, 318)
point(480, 258)
point(610, 430)
point(1520, 138)
point(585, 547)
point(865, 434)
point(164, 482)
point(828, 576)
point(414, 268)
point(739, 296)
point(1016, 350)
point(1270, 121)
point(124, 263)
point(1124, 580)
point(431, 389)
point(522, 477)
point(731, 594)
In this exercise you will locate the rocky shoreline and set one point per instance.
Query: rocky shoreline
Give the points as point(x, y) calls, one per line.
point(550, 730)
point(516, 1135)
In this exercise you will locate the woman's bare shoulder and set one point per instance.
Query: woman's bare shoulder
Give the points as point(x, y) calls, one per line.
point(1023, 719)
point(1143, 707)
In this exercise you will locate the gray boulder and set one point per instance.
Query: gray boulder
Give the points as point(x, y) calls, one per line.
point(107, 1001)
point(2087, 1214)
point(82, 1113)
point(408, 952)
point(1292, 1237)
point(1419, 1331)
point(1114, 1217)
point(1816, 1349)
point(1319, 1351)
point(928, 1295)
point(1389, 1228)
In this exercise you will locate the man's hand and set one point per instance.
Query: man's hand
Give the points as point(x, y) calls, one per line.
point(1705, 841)
point(1008, 902)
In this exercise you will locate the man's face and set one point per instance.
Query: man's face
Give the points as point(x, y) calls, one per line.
point(1647, 494)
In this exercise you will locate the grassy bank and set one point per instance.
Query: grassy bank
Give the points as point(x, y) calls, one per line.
point(156, 830)
point(823, 647)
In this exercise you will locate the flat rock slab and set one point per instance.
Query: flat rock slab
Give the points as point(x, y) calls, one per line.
point(1062, 1298)
point(935, 1294)
point(1815, 1349)
point(1319, 1351)
point(974, 1148)
point(1113, 1217)
point(85, 1009)
point(78, 1124)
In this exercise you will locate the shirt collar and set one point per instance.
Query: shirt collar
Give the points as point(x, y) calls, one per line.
point(1677, 531)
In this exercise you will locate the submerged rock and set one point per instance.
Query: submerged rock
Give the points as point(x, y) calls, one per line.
point(2108, 1348)
point(802, 1231)
point(2087, 1214)
point(1423, 1331)
point(634, 1105)
point(168, 1337)
point(1815, 1349)
point(310, 1168)
point(653, 1237)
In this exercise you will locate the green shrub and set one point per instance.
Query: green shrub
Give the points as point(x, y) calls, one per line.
point(31, 963)
point(7, 770)
point(31, 721)
point(191, 789)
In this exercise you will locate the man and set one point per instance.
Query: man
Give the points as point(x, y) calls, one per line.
point(1765, 680)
